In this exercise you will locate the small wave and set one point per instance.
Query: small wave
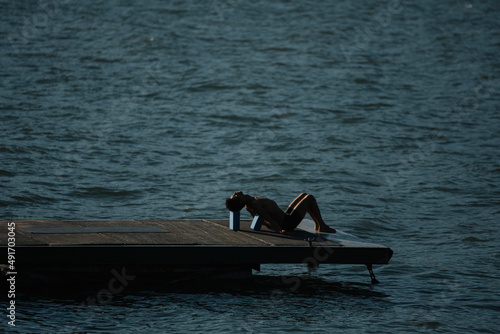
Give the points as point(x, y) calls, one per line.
point(353, 119)
point(336, 111)
point(232, 117)
point(105, 192)
point(473, 239)
point(151, 94)
point(363, 81)
point(205, 87)
point(372, 105)
point(278, 49)
point(447, 190)
point(32, 198)
point(6, 173)
point(257, 86)
point(13, 149)
point(334, 139)
point(491, 306)
point(106, 60)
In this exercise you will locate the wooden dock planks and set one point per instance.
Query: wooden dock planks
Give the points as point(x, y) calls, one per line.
point(162, 244)
point(175, 232)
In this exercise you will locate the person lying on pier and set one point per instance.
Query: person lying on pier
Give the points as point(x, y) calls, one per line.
point(274, 217)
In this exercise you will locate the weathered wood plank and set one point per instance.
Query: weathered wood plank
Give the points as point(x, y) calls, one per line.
point(94, 229)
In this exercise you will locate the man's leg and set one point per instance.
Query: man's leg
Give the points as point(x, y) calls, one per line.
point(309, 205)
point(294, 203)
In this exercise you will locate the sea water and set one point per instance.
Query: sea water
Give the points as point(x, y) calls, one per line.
point(387, 111)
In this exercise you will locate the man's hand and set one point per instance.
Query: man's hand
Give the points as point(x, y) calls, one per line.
point(285, 232)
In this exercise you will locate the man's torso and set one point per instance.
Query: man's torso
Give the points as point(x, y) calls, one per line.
point(269, 206)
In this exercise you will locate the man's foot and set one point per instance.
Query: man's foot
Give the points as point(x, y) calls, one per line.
point(326, 229)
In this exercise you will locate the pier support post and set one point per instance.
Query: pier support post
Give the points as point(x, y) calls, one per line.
point(257, 223)
point(234, 220)
point(372, 275)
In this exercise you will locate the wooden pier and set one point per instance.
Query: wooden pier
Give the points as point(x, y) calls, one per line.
point(58, 247)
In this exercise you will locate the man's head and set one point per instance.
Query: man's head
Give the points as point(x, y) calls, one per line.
point(234, 202)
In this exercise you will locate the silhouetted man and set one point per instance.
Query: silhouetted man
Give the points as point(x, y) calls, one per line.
point(274, 217)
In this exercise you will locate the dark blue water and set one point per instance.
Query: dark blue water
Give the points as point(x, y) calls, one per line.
point(388, 112)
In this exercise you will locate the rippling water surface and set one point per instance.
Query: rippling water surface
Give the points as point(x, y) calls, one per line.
point(388, 112)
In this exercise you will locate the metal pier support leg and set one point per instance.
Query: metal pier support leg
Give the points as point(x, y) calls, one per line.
point(372, 275)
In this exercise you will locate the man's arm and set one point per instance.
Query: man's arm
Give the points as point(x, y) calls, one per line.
point(259, 210)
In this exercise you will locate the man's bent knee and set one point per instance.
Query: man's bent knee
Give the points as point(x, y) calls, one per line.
point(310, 198)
